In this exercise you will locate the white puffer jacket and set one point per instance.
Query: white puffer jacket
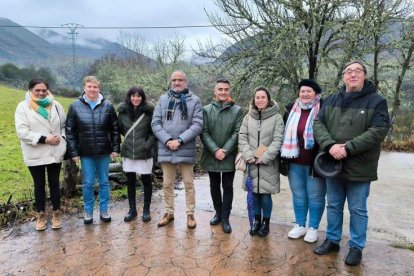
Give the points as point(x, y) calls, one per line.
point(30, 126)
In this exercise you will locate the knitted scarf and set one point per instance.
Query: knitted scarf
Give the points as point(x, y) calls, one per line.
point(41, 106)
point(290, 147)
point(180, 100)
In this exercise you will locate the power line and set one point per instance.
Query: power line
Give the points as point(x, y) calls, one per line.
point(120, 28)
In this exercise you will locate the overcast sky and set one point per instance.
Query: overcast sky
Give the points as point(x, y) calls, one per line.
point(116, 13)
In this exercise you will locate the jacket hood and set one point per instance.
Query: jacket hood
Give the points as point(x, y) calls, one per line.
point(226, 104)
point(268, 112)
point(367, 89)
point(147, 108)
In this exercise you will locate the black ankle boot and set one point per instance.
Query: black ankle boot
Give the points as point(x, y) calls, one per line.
point(225, 224)
point(256, 225)
point(132, 214)
point(264, 229)
point(146, 214)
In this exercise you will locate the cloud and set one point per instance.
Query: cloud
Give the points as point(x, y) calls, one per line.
point(127, 13)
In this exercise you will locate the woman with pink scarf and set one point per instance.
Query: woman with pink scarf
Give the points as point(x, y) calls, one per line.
point(300, 149)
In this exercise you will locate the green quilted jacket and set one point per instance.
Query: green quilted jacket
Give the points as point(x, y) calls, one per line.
point(359, 119)
point(220, 131)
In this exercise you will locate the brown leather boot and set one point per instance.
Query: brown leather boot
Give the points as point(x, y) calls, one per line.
point(191, 223)
point(166, 219)
point(41, 221)
point(56, 220)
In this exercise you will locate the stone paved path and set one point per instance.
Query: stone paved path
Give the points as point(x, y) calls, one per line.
point(136, 248)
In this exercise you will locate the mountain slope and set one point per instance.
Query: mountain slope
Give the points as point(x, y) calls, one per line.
point(20, 46)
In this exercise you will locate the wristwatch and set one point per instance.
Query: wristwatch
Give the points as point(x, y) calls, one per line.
point(180, 140)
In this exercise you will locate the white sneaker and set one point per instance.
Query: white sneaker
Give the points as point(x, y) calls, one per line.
point(311, 235)
point(297, 232)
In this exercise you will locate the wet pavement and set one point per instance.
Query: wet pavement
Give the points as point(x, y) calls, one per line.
point(138, 248)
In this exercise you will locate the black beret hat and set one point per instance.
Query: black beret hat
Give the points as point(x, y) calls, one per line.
point(312, 84)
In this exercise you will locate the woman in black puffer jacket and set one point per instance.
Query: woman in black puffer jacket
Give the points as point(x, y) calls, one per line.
point(134, 121)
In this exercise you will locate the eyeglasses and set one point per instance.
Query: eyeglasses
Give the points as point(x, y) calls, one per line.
point(40, 90)
point(180, 80)
point(349, 72)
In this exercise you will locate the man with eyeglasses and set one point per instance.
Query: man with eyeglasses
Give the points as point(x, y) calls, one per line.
point(351, 126)
point(222, 121)
point(177, 121)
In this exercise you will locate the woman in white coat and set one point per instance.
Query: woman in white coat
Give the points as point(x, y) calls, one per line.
point(40, 126)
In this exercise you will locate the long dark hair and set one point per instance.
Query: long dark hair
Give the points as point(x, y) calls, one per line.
point(262, 88)
point(35, 82)
point(133, 112)
point(133, 91)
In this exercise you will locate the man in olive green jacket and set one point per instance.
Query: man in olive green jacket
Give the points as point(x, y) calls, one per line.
point(351, 126)
point(222, 120)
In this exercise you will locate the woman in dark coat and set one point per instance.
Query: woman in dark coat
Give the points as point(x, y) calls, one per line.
point(300, 149)
point(134, 120)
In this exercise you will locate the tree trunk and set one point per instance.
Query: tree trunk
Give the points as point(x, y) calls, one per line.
point(71, 177)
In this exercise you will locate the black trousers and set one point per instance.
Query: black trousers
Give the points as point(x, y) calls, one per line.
point(222, 204)
point(131, 188)
point(39, 178)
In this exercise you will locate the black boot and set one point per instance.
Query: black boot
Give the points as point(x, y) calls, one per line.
point(264, 229)
point(216, 219)
point(147, 183)
point(256, 225)
point(146, 215)
point(132, 214)
point(225, 224)
point(131, 182)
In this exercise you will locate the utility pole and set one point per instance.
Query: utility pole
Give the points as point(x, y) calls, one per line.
point(72, 32)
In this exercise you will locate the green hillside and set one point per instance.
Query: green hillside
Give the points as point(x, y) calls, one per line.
point(15, 178)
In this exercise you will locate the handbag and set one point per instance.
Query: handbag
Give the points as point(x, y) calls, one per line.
point(66, 155)
point(240, 163)
point(283, 165)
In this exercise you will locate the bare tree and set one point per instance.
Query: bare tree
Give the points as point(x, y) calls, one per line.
point(278, 42)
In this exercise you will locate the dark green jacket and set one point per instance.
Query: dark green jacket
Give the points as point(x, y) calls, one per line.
point(140, 142)
point(220, 130)
point(359, 119)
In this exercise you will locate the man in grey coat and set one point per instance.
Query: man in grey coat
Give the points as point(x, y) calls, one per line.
point(177, 121)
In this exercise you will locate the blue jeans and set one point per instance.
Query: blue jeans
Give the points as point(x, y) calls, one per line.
point(357, 194)
point(262, 202)
point(92, 167)
point(308, 194)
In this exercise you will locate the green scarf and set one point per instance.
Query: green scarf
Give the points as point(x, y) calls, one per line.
point(40, 105)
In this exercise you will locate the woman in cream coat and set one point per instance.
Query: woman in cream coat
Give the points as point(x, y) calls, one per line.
point(40, 126)
point(262, 129)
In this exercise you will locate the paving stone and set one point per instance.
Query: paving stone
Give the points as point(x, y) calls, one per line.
point(137, 248)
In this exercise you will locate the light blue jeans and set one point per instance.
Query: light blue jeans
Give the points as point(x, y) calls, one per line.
point(92, 167)
point(357, 194)
point(308, 194)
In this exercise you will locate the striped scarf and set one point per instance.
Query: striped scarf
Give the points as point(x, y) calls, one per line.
point(290, 148)
point(41, 106)
point(180, 100)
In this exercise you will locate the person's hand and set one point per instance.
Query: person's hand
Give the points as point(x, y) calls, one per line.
point(173, 145)
point(52, 139)
point(258, 161)
point(113, 155)
point(251, 161)
point(338, 151)
point(76, 159)
point(220, 154)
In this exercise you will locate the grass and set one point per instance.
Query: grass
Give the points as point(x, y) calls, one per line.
point(402, 246)
point(15, 178)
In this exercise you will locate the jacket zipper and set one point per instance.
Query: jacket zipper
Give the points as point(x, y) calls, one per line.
point(133, 144)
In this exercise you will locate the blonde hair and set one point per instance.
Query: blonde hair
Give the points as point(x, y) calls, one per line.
point(91, 79)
